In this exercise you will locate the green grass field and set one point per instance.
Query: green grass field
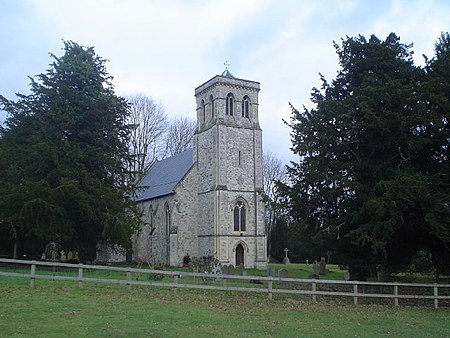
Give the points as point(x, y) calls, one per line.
point(61, 309)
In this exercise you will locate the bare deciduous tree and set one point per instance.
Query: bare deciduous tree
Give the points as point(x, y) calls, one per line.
point(273, 171)
point(148, 122)
point(179, 135)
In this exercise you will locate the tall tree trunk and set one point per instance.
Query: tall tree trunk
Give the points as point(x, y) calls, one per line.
point(16, 245)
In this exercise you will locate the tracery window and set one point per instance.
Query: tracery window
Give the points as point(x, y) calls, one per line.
point(245, 106)
point(229, 104)
point(239, 214)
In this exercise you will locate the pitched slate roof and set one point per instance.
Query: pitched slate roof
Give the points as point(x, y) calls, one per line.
point(162, 178)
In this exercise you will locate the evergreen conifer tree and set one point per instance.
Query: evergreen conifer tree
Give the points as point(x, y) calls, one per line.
point(63, 172)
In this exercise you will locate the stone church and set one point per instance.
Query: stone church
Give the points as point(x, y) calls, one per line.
point(206, 200)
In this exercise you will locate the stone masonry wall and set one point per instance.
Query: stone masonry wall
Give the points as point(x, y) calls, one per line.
point(170, 245)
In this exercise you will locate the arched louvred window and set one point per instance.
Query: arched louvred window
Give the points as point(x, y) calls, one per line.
point(203, 111)
point(239, 216)
point(245, 106)
point(211, 102)
point(229, 104)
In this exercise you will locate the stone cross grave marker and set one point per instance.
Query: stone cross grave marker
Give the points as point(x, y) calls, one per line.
point(286, 259)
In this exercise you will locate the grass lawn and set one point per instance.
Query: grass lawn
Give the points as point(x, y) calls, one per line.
point(61, 309)
point(304, 271)
point(295, 270)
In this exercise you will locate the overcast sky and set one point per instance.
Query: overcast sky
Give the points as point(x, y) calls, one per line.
point(166, 48)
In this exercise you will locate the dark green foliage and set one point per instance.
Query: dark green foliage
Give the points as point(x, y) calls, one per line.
point(302, 247)
point(372, 182)
point(422, 262)
point(279, 239)
point(62, 158)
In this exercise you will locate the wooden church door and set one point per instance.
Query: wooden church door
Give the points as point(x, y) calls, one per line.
point(239, 255)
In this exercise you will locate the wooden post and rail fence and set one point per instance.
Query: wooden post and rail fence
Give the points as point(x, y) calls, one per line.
point(438, 294)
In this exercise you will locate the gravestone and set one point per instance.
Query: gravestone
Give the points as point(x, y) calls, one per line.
point(63, 256)
point(242, 271)
point(225, 270)
point(347, 275)
point(231, 269)
point(316, 269)
point(69, 256)
point(283, 273)
point(322, 266)
point(269, 272)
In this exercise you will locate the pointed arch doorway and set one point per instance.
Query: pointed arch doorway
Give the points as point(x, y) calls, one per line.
point(239, 255)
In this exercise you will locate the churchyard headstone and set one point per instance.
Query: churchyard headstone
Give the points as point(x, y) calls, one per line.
point(283, 273)
point(316, 269)
point(347, 275)
point(242, 271)
point(322, 266)
point(225, 269)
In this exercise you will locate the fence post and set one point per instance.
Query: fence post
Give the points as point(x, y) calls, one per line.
point(33, 274)
point(314, 296)
point(436, 300)
point(128, 279)
point(395, 295)
point(175, 280)
point(269, 285)
point(355, 292)
point(80, 274)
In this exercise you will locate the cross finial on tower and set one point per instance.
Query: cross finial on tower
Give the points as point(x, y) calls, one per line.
point(226, 65)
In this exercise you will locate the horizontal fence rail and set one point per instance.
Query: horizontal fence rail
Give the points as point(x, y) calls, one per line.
point(438, 293)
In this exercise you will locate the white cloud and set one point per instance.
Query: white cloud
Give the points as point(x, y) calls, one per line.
point(167, 48)
point(417, 22)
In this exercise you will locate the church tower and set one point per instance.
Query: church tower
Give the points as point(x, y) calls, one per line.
point(228, 156)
